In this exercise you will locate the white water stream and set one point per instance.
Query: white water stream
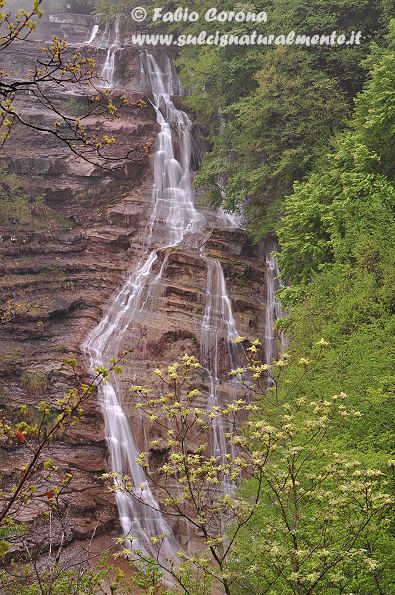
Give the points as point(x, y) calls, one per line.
point(174, 220)
point(108, 71)
point(218, 335)
point(274, 309)
point(94, 32)
point(175, 214)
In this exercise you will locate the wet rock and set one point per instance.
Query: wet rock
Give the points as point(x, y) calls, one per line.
point(78, 265)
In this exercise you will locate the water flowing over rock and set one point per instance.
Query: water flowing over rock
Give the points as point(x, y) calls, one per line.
point(135, 262)
point(218, 331)
point(92, 36)
point(174, 220)
point(108, 72)
point(274, 310)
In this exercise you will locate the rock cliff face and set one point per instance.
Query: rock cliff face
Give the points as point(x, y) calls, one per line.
point(78, 264)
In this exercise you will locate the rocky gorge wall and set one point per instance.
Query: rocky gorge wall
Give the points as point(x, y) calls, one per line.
point(74, 267)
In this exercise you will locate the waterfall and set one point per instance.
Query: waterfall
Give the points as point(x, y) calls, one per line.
point(218, 328)
point(93, 34)
point(274, 309)
point(108, 71)
point(174, 209)
point(233, 220)
point(173, 217)
point(174, 220)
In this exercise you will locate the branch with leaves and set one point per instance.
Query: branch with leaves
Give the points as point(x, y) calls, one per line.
point(38, 428)
point(58, 68)
point(283, 511)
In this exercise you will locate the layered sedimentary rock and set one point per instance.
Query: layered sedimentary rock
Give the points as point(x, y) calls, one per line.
point(77, 267)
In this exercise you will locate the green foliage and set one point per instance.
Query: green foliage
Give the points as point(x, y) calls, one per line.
point(56, 582)
point(268, 142)
point(279, 106)
point(299, 525)
point(268, 114)
point(4, 547)
point(344, 212)
point(34, 381)
point(338, 252)
point(12, 530)
point(21, 213)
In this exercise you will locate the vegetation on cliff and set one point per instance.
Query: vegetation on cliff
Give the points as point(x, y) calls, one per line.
point(314, 515)
point(269, 113)
point(273, 120)
point(302, 522)
point(21, 213)
point(302, 141)
point(337, 242)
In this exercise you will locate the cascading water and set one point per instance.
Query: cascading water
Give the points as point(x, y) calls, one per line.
point(108, 71)
point(274, 310)
point(94, 32)
point(173, 216)
point(174, 211)
point(218, 328)
point(174, 220)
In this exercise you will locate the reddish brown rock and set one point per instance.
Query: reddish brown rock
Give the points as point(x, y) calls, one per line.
point(77, 266)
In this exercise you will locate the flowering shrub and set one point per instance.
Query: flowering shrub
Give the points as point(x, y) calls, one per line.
point(280, 511)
